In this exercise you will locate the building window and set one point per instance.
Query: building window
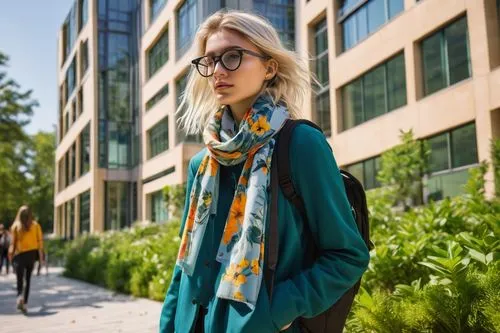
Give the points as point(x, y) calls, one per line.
point(73, 112)
point(155, 7)
point(158, 54)
point(61, 174)
point(187, 21)
point(158, 138)
point(322, 99)
point(66, 169)
point(157, 97)
point(84, 212)
point(80, 101)
point(360, 18)
point(66, 122)
point(119, 145)
point(446, 58)
point(180, 134)
point(452, 153)
point(84, 56)
point(69, 33)
point(366, 172)
point(83, 11)
point(69, 209)
point(118, 205)
point(72, 156)
point(159, 212)
point(281, 14)
point(85, 150)
point(70, 79)
point(375, 93)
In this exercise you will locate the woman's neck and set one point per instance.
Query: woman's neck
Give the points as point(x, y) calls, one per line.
point(239, 110)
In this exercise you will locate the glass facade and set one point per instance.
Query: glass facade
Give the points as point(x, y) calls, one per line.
point(446, 58)
point(451, 152)
point(118, 205)
point(158, 54)
point(377, 92)
point(84, 212)
point(155, 7)
point(118, 82)
point(157, 97)
point(321, 107)
point(281, 14)
point(187, 23)
point(159, 212)
point(85, 150)
point(366, 172)
point(360, 18)
point(158, 138)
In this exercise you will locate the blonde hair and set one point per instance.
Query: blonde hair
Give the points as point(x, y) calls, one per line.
point(24, 218)
point(290, 85)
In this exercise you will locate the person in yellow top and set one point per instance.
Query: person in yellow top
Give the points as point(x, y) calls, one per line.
point(27, 244)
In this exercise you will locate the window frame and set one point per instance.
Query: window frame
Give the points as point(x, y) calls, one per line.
point(160, 48)
point(361, 81)
point(445, 65)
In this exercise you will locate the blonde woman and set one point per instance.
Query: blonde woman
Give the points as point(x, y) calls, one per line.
point(27, 244)
point(241, 89)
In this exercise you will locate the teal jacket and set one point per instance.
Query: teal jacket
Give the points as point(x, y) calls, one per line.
point(297, 291)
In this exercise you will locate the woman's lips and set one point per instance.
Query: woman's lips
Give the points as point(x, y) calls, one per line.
point(223, 86)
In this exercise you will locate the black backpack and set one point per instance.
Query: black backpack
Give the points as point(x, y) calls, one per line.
point(333, 319)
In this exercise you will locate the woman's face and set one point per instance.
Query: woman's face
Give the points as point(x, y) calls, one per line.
point(231, 87)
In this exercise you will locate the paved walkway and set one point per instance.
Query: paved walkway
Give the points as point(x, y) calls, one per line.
point(61, 305)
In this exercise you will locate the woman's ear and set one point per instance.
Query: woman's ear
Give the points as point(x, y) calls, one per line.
point(271, 69)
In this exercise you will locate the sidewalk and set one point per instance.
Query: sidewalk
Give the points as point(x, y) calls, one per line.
point(58, 304)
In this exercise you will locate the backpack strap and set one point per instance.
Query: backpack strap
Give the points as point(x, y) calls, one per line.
point(284, 174)
point(281, 178)
point(273, 238)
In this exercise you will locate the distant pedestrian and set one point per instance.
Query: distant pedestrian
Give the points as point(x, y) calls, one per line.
point(4, 248)
point(27, 241)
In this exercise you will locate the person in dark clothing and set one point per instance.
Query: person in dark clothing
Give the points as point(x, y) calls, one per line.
point(4, 248)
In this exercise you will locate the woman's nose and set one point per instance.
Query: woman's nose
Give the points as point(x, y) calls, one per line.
point(219, 69)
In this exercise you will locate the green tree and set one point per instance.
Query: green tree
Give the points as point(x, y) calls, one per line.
point(16, 108)
point(402, 168)
point(42, 178)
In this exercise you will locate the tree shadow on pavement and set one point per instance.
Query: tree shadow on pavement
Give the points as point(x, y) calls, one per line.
point(51, 292)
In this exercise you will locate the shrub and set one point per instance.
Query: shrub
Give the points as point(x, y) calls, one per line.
point(138, 260)
point(435, 268)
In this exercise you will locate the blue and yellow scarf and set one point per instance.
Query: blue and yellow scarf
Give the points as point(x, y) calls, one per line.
point(241, 250)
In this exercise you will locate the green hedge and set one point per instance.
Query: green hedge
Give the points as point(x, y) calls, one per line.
point(137, 261)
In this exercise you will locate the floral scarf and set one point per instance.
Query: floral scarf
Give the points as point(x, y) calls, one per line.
point(241, 250)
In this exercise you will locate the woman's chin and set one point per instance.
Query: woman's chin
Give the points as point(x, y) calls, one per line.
point(224, 99)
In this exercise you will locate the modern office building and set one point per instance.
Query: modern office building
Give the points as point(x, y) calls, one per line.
point(384, 66)
point(430, 65)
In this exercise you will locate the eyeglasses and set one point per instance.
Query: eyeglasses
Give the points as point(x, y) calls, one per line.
point(230, 60)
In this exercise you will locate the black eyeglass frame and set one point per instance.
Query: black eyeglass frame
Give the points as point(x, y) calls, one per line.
point(216, 59)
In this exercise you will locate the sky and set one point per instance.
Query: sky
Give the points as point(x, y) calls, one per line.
point(28, 35)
